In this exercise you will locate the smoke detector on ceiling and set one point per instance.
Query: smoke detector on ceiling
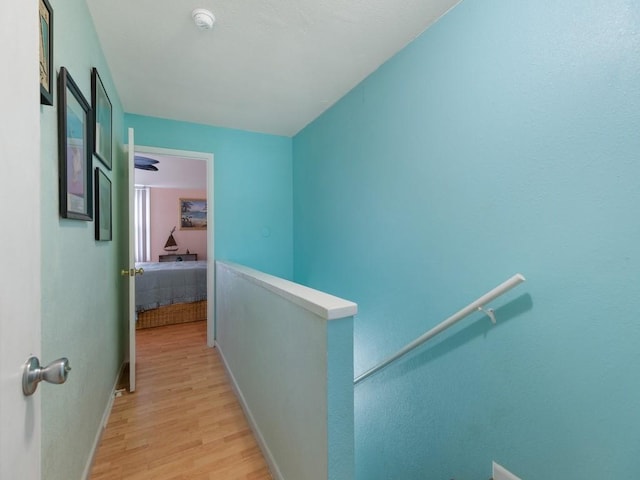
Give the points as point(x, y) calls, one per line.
point(203, 18)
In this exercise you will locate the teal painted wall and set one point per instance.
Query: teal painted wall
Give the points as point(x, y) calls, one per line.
point(504, 139)
point(81, 288)
point(252, 188)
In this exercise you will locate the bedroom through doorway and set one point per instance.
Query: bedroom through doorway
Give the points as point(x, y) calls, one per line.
point(173, 232)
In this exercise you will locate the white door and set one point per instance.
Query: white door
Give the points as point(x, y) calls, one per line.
point(20, 215)
point(131, 267)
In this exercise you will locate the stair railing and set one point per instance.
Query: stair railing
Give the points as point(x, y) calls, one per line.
point(477, 305)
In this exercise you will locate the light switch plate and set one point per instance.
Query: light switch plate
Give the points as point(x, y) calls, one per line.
point(501, 473)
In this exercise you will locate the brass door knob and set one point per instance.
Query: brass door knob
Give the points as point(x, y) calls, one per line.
point(132, 272)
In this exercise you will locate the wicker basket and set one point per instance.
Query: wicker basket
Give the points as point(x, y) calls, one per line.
point(176, 313)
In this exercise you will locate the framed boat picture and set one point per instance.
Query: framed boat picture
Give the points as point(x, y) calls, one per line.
point(74, 150)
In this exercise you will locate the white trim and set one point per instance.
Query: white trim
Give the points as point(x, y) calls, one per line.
point(211, 278)
point(175, 153)
point(322, 304)
point(273, 466)
point(142, 224)
point(103, 425)
point(211, 258)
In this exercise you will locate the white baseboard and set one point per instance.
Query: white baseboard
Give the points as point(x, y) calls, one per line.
point(273, 466)
point(103, 424)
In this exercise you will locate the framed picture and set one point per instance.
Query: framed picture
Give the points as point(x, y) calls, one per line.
point(101, 119)
point(74, 150)
point(46, 53)
point(193, 214)
point(103, 206)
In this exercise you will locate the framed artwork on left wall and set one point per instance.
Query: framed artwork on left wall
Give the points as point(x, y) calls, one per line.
point(46, 53)
point(74, 150)
point(103, 206)
point(101, 119)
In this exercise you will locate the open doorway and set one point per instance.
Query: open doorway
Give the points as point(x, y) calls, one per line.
point(178, 189)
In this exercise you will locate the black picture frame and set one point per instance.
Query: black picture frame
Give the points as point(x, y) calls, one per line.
point(102, 120)
point(103, 217)
point(46, 53)
point(74, 150)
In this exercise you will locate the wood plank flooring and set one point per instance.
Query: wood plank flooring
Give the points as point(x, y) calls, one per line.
point(184, 421)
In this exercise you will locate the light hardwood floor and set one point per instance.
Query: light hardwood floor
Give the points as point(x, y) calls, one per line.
point(184, 421)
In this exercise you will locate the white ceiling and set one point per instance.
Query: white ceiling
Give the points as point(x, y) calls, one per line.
point(174, 172)
point(268, 66)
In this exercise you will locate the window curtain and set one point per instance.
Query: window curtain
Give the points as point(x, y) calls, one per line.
point(143, 241)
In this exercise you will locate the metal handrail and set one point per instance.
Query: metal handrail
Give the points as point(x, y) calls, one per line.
point(472, 307)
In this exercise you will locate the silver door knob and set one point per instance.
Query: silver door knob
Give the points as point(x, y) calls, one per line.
point(32, 374)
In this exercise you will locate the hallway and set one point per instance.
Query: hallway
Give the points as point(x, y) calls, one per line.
point(184, 421)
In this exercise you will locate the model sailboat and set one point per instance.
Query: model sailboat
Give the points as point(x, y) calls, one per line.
point(171, 245)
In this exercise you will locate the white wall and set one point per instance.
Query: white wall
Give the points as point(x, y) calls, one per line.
point(289, 350)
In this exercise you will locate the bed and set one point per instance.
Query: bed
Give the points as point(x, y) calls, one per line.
point(171, 292)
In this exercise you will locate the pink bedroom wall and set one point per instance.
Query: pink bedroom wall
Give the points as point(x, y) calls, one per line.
point(165, 214)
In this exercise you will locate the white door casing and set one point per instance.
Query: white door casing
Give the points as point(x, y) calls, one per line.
point(20, 299)
point(132, 150)
point(207, 157)
point(132, 264)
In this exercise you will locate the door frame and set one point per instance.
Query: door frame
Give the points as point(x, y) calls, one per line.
point(211, 285)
